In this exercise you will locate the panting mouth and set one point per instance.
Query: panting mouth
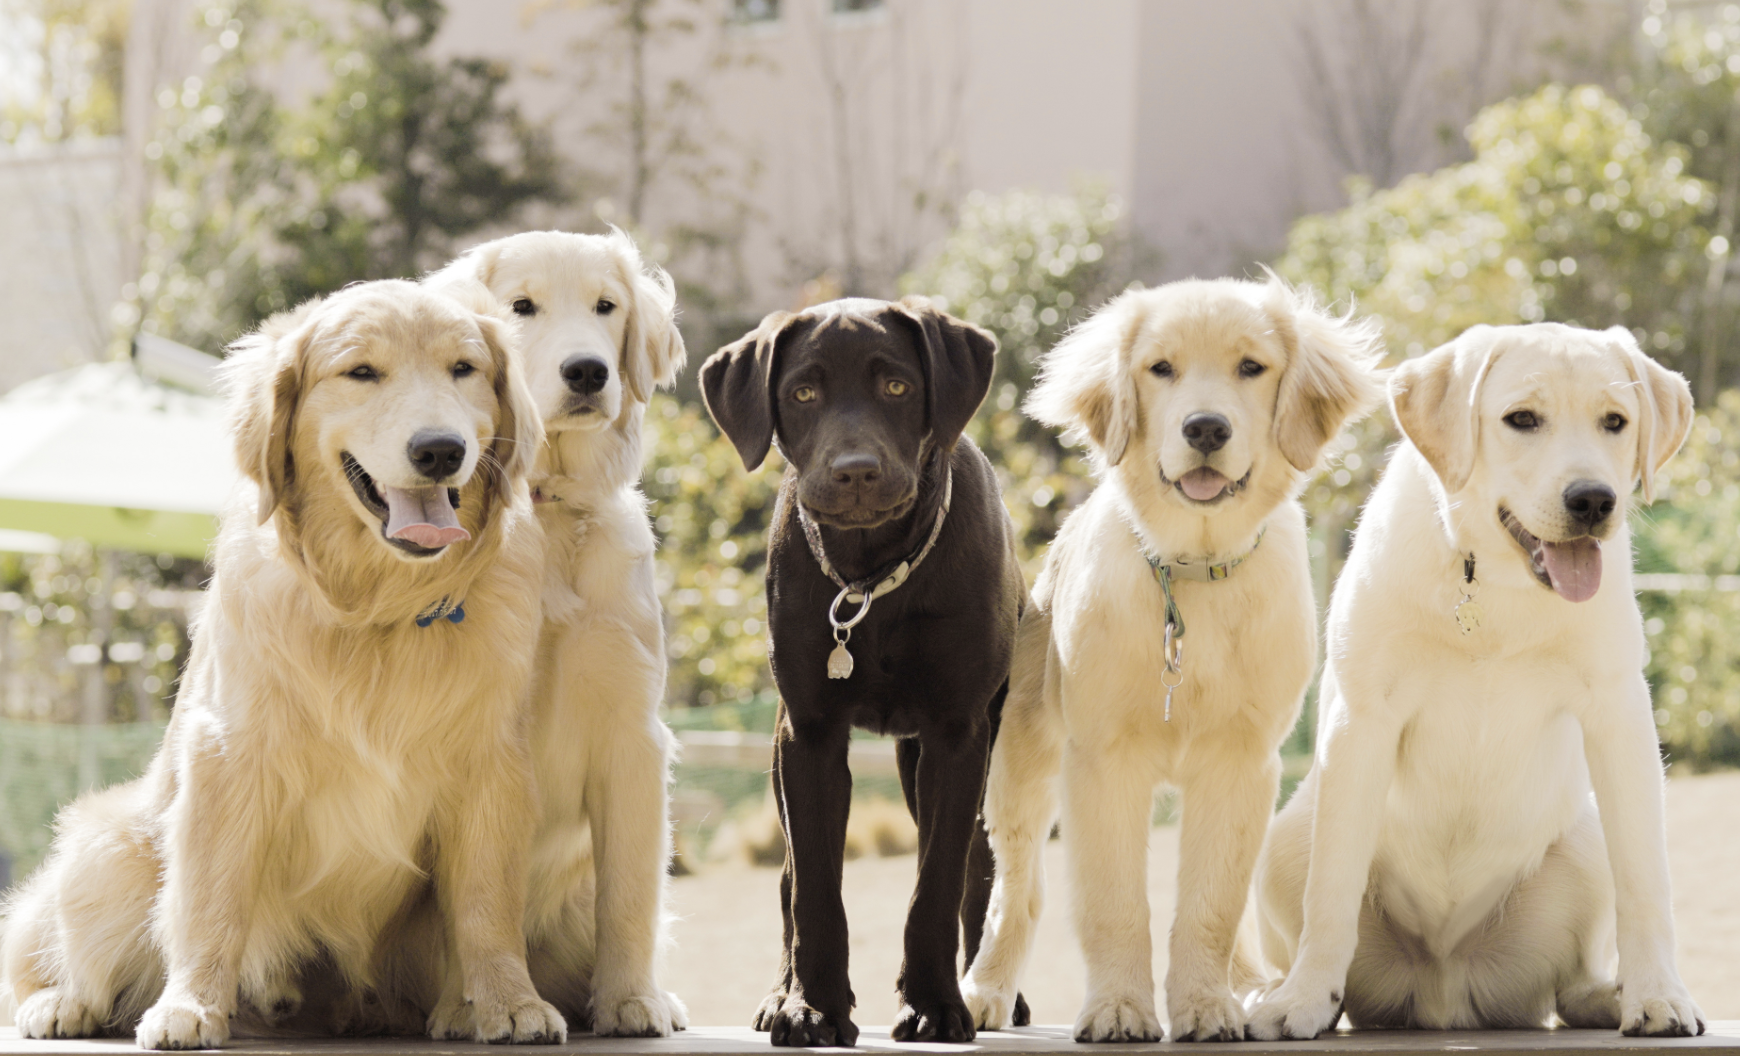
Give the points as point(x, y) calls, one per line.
point(1205, 487)
point(1570, 568)
point(420, 521)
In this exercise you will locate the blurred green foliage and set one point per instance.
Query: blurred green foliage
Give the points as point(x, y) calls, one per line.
point(260, 204)
point(1694, 527)
point(70, 53)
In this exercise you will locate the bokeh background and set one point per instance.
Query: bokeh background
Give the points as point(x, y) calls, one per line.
point(172, 171)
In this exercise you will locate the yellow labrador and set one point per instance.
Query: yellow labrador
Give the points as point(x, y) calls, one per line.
point(1204, 404)
point(351, 723)
point(597, 334)
point(1445, 864)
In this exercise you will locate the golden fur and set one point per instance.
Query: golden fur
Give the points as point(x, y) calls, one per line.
point(329, 761)
point(1086, 712)
point(595, 902)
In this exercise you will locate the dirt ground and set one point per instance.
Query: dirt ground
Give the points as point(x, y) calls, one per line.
point(727, 934)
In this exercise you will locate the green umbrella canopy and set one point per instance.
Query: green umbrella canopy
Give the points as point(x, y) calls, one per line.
point(101, 453)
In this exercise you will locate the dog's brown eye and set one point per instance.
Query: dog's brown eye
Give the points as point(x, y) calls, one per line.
point(1250, 368)
point(895, 387)
point(462, 369)
point(1523, 421)
point(363, 373)
point(803, 394)
point(1162, 369)
point(524, 306)
point(1613, 423)
point(604, 306)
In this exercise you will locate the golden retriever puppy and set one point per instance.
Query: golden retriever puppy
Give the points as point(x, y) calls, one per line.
point(1487, 773)
point(597, 334)
point(351, 726)
point(1204, 405)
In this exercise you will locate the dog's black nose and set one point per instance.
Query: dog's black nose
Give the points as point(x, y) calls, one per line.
point(436, 455)
point(856, 468)
point(1207, 433)
point(585, 375)
point(1589, 502)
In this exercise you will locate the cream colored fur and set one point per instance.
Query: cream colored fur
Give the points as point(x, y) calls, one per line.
point(1084, 713)
point(595, 902)
point(1479, 800)
point(329, 762)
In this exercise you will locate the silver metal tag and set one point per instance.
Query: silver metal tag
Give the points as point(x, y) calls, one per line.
point(1469, 616)
point(840, 662)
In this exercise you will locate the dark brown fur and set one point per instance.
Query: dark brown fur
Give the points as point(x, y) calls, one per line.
point(931, 658)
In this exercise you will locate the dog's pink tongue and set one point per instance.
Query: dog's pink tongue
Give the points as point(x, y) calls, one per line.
point(1202, 484)
point(422, 516)
point(1574, 567)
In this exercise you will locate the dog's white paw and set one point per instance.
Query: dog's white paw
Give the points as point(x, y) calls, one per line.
point(276, 1001)
point(1662, 1009)
point(452, 1020)
point(1288, 1015)
point(181, 1023)
point(1207, 1016)
point(651, 1015)
point(54, 1013)
point(1123, 1018)
point(991, 1008)
point(526, 1021)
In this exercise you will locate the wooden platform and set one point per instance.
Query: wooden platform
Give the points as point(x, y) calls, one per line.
point(1028, 1041)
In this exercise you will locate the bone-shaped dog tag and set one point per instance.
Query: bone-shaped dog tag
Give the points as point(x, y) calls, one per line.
point(840, 662)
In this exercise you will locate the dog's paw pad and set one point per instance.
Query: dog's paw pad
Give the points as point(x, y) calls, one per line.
point(1118, 1019)
point(52, 1013)
point(182, 1024)
point(1207, 1017)
point(948, 1022)
point(799, 1026)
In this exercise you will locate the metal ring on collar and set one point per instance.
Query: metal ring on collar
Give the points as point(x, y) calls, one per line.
point(863, 610)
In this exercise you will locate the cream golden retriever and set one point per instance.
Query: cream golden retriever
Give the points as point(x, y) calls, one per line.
point(597, 333)
point(351, 727)
point(1487, 776)
point(1204, 405)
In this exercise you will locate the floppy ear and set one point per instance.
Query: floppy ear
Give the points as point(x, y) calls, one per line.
point(466, 279)
point(1331, 377)
point(264, 377)
point(737, 386)
point(519, 430)
point(1436, 402)
point(652, 347)
point(958, 359)
point(1084, 384)
point(1664, 406)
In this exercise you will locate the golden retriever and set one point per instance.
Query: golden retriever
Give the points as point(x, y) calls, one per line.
point(1204, 405)
point(597, 334)
point(1445, 865)
point(351, 725)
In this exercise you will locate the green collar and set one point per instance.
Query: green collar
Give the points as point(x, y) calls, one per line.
point(1166, 570)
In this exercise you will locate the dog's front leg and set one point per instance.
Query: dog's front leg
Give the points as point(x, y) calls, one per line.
point(626, 801)
point(1356, 761)
point(481, 840)
point(814, 787)
point(214, 838)
point(1229, 792)
point(1625, 769)
point(1108, 795)
point(950, 785)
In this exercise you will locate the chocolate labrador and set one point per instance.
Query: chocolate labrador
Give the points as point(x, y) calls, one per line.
point(893, 595)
